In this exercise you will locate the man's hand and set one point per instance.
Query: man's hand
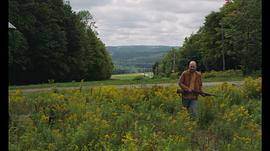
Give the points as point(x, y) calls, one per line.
point(189, 90)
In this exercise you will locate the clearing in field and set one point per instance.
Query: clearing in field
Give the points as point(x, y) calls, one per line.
point(109, 118)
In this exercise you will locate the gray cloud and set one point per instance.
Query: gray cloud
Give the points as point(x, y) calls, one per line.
point(82, 4)
point(184, 6)
point(147, 22)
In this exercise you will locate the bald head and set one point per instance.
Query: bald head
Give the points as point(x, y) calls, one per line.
point(192, 66)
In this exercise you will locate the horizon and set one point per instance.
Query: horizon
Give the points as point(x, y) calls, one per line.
point(142, 45)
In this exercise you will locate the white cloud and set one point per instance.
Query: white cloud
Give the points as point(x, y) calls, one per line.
point(147, 22)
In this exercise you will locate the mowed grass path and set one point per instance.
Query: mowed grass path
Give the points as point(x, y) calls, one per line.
point(115, 82)
point(121, 80)
point(206, 85)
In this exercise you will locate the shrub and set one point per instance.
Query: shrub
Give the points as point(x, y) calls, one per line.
point(110, 118)
point(174, 75)
point(253, 87)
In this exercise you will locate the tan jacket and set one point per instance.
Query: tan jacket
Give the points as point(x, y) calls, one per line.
point(185, 81)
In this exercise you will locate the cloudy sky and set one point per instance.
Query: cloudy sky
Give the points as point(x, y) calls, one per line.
point(147, 22)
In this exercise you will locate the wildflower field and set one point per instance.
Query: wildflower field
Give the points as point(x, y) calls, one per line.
point(136, 119)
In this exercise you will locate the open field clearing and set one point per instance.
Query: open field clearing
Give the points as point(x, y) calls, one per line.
point(130, 76)
point(143, 118)
point(205, 84)
point(137, 79)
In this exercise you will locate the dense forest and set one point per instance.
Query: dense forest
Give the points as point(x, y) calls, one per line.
point(229, 39)
point(136, 58)
point(52, 42)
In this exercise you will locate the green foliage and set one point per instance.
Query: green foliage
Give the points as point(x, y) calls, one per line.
point(253, 88)
point(174, 75)
point(53, 42)
point(18, 60)
point(207, 112)
point(109, 118)
point(85, 16)
point(210, 75)
point(239, 25)
point(168, 64)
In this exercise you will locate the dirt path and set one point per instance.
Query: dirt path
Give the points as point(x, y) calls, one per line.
point(205, 84)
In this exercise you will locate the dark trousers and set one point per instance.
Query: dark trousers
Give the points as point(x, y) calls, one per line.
point(191, 106)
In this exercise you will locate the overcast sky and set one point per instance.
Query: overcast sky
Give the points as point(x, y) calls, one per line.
point(147, 22)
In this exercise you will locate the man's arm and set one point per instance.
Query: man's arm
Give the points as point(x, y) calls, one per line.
point(181, 82)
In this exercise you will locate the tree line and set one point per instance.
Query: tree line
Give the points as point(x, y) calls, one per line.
point(54, 42)
point(229, 39)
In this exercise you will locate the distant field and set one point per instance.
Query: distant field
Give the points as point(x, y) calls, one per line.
point(126, 76)
point(130, 76)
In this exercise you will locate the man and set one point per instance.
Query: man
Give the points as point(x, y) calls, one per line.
point(190, 81)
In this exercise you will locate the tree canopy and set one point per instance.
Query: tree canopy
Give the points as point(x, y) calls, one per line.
point(54, 42)
point(235, 31)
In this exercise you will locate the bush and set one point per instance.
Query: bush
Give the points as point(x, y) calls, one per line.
point(174, 75)
point(206, 112)
point(257, 73)
point(231, 93)
point(253, 87)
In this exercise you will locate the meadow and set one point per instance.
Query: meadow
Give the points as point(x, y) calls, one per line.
point(136, 119)
point(138, 78)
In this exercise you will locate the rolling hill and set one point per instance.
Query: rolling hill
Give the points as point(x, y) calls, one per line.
point(136, 58)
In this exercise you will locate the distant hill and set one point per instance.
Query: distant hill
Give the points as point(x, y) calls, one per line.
point(137, 58)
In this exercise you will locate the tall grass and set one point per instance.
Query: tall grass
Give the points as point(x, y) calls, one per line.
point(109, 118)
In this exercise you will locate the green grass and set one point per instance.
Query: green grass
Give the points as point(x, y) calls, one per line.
point(125, 76)
point(138, 78)
point(134, 118)
point(97, 83)
point(117, 82)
